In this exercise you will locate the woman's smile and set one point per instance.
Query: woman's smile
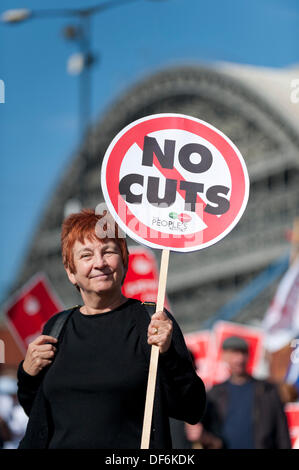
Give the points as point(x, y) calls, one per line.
point(102, 275)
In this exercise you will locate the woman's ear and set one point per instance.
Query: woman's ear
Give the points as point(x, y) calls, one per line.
point(71, 276)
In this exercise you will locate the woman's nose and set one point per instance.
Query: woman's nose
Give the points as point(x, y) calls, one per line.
point(99, 260)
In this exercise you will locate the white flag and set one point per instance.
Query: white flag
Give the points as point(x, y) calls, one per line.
point(281, 322)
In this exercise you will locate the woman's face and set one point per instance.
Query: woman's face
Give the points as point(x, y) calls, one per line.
point(99, 266)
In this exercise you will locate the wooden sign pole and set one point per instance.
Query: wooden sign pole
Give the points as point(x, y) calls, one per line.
point(151, 383)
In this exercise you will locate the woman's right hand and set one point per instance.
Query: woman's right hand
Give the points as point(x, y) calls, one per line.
point(39, 354)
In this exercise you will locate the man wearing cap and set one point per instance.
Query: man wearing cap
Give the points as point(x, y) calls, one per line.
point(242, 412)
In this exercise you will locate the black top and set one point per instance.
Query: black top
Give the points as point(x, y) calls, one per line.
point(180, 393)
point(96, 386)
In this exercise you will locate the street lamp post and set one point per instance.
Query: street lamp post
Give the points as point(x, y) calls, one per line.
point(82, 62)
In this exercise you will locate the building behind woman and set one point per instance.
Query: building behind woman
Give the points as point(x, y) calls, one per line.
point(88, 389)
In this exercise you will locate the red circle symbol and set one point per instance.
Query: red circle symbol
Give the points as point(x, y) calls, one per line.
point(201, 225)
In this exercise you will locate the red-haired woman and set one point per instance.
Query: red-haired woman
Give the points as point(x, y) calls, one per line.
point(88, 389)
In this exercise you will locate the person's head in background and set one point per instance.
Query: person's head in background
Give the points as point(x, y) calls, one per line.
point(235, 353)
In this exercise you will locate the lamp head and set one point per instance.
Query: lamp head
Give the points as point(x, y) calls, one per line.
point(15, 16)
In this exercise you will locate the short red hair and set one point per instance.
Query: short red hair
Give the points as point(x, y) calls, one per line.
point(88, 224)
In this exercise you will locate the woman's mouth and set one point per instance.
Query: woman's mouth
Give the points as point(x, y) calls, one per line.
point(100, 275)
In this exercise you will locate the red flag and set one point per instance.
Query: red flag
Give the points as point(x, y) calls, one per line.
point(292, 412)
point(30, 308)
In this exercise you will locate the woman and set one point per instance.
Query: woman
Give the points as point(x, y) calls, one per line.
point(88, 389)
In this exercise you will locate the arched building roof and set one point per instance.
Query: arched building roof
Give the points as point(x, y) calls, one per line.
point(251, 106)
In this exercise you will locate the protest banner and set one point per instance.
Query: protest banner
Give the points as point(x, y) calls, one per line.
point(142, 278)
point(292, 412)
point(30, 308)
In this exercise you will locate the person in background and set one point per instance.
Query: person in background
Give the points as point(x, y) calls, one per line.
point(242, 412)
point(13, 420)
point(5, 433)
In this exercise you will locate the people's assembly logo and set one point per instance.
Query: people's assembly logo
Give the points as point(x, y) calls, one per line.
point(176, 222)
point(174, 181)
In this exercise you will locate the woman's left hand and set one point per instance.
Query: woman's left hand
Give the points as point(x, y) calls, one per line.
point(160, 331)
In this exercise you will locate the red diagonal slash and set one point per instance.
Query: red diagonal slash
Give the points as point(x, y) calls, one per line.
point(174, 174)
point(200, 205)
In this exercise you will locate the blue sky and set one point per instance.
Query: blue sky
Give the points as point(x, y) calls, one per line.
point(39, 120)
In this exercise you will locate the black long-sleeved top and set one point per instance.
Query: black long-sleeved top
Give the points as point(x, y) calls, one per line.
point(91, 407)
point(93, 394)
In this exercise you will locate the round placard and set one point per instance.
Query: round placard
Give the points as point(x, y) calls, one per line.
point(174, 182)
